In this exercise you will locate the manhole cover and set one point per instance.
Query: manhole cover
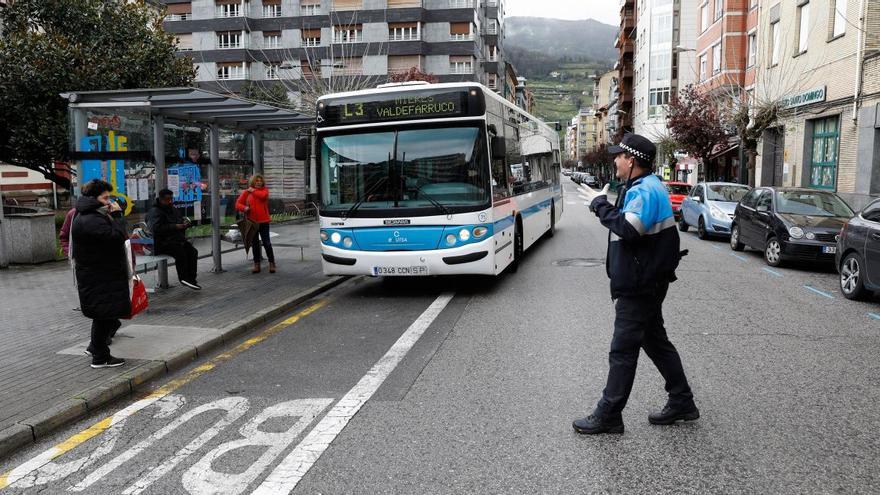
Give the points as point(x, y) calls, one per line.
point(585, 262)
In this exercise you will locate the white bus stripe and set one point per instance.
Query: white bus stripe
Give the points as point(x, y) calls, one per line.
point(285, 477)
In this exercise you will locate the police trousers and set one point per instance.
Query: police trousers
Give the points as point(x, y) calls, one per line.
point(639, 325)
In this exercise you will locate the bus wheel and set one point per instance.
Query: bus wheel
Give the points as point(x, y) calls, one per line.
point(517, 247)
point(552, 231)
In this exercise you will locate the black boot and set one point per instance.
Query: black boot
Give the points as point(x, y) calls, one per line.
point(595, 424)
point(670, 414)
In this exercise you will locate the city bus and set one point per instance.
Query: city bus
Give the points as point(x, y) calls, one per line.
point(421, 179)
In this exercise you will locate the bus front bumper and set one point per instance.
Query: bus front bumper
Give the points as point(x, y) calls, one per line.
point(476, 258)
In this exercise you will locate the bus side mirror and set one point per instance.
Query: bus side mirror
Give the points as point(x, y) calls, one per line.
point(499, 147)
point(558, 127)
point(301, 149)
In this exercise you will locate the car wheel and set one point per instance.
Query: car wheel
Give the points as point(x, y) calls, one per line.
point(701, 229)
point(682, 225)
point(773, 252)
point(852, 282)
point(735, 244)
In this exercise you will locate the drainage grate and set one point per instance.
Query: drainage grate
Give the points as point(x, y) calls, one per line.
point(583, 262)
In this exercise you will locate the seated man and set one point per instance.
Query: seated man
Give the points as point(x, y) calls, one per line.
point(169, 236)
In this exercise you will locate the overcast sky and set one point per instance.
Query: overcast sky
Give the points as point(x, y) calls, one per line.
point(607, 11)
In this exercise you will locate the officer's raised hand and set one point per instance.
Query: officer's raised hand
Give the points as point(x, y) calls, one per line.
point(591, 193)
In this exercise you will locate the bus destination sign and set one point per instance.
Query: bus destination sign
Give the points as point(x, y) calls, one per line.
point(396, 107)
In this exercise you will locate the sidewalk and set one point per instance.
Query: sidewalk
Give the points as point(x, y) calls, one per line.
point(45, 379)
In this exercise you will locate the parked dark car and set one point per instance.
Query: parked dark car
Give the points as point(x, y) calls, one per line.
point(789, 224)
point(858, 253)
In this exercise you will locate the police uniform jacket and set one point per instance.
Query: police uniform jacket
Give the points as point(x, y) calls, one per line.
point(643, 243)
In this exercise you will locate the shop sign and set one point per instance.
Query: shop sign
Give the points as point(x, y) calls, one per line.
point(806, 98)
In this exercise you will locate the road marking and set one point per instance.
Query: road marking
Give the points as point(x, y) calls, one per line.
point(772, 272)
point(294, 467)
point(716, 247)
point(741, 258)
point(820, 292)
point(874, 315)
point(115, 421)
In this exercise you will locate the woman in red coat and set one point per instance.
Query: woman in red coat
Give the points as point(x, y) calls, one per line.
point(254, 203)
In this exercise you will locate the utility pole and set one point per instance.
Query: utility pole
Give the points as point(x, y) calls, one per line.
point(4, 262)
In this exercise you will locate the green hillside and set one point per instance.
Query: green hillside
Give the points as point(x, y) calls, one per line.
point(557, 99)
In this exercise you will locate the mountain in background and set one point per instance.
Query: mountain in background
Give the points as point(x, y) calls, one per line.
point(535, 45)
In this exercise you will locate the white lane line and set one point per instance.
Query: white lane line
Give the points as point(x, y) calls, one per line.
point(773, 272)
point(820, 292)
point(294, 467)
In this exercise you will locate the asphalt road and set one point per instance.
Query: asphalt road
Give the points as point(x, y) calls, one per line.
point(470, 385)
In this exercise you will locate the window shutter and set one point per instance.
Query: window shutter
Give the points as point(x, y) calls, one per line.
point(180, 8)
point(271, 2)
point(184, 41)
point(403, 25)
point(303, 3)
point(267, 34)
point(398, 4)
point(460, 59)
point(460, 28)
point(311, 33)
point(403, 63)
point(348, 4)
point(227, 2)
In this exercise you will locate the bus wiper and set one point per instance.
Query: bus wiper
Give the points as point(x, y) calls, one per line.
point(433, 201)
point(366, 195)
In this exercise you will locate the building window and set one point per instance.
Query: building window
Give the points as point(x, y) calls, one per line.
point(704, 18)
point(272, 39)
point(402, 4)
point(493, 53)
point(230, 39)
point(272, 71)
point(492, 27)
point(348, 34)
point(461, 65)
point(719, 9)
point(803, 27)
point(404, 31)
point(310, 68)
point(716, 59)
point(311, 37)
point(271, 9)
point(492, 81)
point(658, 98)
point(227, 8)
point(401, 64)
point(179, 12)
point(661, 67)
point(774, 44)
point(838, 18)
point(352, 66)
point(461, 4)
point(461, 31)
point(661, 31)
point(310, 7)
point(753, 43)
point(232, 70)
point(823, 169)
point(703, 68)
point(184, 42)
point(347, 5)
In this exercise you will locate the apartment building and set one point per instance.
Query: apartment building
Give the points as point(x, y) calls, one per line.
point(819, 60)
point(604, 87)
point(235, 41)
point(584, 133)
point(664, 60)
point(625, 44)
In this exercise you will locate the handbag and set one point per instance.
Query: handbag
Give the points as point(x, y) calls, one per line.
point(139, 300)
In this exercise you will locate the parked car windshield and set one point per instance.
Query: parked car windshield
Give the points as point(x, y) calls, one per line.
point(812, 203)
point(678, 189)
point(728, 193)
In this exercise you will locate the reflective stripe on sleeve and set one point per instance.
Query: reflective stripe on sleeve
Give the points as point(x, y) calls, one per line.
point(636, 222)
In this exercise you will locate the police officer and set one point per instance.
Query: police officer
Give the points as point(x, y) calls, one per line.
point(643, 253)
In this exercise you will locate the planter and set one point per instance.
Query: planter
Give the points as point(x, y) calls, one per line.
point(29, 234)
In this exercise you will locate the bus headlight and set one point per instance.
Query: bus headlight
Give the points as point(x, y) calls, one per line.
point(480, 232)
point(464, 235)
point(324, 236)
point(335, 237)
point(347, 242)
point(450, 239)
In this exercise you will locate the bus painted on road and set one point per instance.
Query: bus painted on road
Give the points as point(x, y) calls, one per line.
point(422, 179)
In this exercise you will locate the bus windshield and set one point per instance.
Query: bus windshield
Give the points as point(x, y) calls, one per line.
point(437, 169)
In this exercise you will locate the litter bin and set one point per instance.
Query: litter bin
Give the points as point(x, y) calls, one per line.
point(29, 234)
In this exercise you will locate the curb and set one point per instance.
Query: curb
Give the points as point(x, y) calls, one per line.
point(88, 401)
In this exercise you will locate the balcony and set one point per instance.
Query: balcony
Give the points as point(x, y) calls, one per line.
point(461, 37)
point(461, 4)
point(626, 46)
point(627, 23)
point(178, 17)
point(404, 37)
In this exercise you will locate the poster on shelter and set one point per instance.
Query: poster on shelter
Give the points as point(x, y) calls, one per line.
point(185, 181)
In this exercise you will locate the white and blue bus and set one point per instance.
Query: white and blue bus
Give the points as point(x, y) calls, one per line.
point(422, 179)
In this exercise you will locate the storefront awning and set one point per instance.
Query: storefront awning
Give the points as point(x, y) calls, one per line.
point(193, 105)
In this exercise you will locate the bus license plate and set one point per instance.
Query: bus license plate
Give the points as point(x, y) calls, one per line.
point(829, 249)
point(400, 271)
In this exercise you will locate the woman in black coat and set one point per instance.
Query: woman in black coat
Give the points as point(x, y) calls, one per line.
point(98, 239)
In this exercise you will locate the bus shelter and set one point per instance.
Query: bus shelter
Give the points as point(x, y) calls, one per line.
point(200, 144)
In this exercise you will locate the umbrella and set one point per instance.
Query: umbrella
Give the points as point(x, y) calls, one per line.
point(248, 231)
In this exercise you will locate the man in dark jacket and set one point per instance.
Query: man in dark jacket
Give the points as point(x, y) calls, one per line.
point(643, 253)
point(98, 237)
point(169, 235)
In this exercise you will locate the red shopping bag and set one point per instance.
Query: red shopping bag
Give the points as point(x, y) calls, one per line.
point(139, 300)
